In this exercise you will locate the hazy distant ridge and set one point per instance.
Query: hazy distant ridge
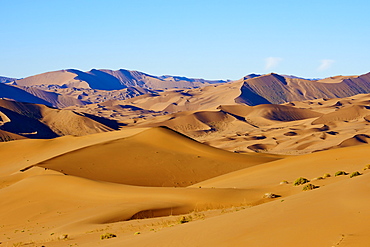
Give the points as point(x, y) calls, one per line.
point(112, 80)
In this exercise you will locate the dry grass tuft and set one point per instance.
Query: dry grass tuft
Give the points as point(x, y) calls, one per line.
point(355, 174)
point(340, 173)
point(309, 187)
point(107, 236)
point(300, 181)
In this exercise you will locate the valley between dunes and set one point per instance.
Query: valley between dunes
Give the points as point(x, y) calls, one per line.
point(129, 159)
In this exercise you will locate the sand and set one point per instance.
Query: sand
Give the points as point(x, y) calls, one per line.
point(228, 208)
point(189, 167)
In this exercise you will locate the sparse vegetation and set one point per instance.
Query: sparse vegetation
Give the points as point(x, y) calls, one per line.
point(284, 182)
point(63, 237)
point(326, 175)
point(340, 173)
point(318, 178)
point(309, 187)
point(270, 195)
point(355, 174)
point(366, 167)
point(185, 219)
point(300, 181)
point(107, 236)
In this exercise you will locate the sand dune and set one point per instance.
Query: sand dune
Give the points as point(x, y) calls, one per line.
point(28, 154)
point(165, 151)
point(15, 93)
point(38, 96)
point(356, 140)
point(111, 80)
point(79, 207)
point(209, 97)
point(84, 209)
point(277, 89)
point(329, 216)
point(152, 186)
point(8, 136)
point(293, 128)
point(172, 93)
point(40, 121)
point(310, 166)
point(344, 114)
point(75, 206)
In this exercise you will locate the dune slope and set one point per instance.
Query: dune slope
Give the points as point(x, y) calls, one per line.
point(40, 121)
point(156, 157)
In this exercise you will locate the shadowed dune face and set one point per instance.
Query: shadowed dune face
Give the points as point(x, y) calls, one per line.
point(277, 89)
point(40, 121)
point(6, 136)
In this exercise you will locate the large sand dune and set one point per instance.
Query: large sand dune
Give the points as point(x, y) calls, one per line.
point(155, 157)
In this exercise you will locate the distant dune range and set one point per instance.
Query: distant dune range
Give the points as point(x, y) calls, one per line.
point(73, 87)
point(123, 158)
point(240, 116)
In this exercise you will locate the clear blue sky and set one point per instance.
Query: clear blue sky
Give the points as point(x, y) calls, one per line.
point(209, 39)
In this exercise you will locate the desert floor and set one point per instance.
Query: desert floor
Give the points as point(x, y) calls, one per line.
point(156, 187)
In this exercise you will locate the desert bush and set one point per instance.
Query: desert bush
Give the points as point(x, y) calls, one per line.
point(367, 167)
point(326, 175)
point(300, 181)
point(63, 237)
point(318, 178)
point(309, 187)
point(339, 173)
point(185, 219)
point(354, 174)
point(107, 236)
point(284, 182)
point(270, 195)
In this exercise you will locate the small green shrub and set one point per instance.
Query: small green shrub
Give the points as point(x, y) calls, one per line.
point(185, 219)
point(309, 187)
point(326, 175)
point(107, 236)
point(354, 174)
point(366, 167)
point(339, 173)
point(300, 181)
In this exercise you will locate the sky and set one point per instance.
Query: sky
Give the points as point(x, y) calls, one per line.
point(195, 38)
